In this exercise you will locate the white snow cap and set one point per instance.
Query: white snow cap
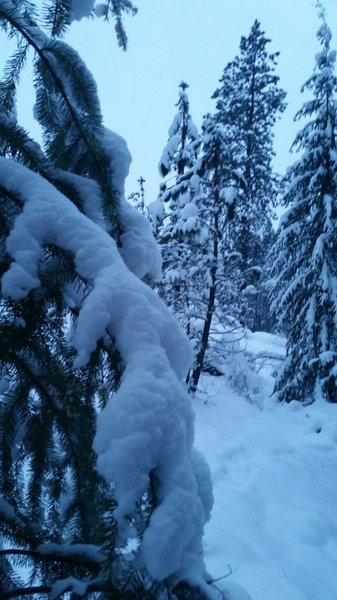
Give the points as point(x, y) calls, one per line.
point(80, 9)
point(157, 210)
point(116, 148)
point(139, 249)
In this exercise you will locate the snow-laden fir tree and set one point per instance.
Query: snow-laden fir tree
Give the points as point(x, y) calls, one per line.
point(178, 153)
point(174, 213)
point(248, 103)
point(102, 493)
point(198, 260)
point(305, 268)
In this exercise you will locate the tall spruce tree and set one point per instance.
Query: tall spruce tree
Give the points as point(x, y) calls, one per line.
point(248, 102)
point(305, 268)
point(90, 357)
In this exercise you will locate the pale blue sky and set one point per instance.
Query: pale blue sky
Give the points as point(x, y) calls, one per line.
point(191, 40)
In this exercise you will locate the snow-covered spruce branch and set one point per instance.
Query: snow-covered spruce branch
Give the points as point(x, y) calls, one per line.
point(9, 13)
point(13, 197)
point(76, 558)
point(57, 60)
point(90, 588)
point(21, 144)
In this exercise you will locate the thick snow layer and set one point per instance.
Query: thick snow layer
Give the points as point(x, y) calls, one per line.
point(176, 124)
point(147, 428)
point(116, 148)
point(139, 249)
point(274, 522)
point(64, 585)
point(89, 192)
point(80, 9)
point(261, 343)
point(87, 550)
point(156, 211)
point(169, 151)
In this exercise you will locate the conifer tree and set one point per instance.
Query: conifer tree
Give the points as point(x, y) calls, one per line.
point(176, 212)
point(305, 271)
point(138, 198)
point(87, 485)
point(248, 102)
point(178, 153)
point(213, 268)
point(198, 257)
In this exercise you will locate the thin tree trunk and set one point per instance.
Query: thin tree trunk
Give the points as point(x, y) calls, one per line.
point(200, 358)
point(204, 338)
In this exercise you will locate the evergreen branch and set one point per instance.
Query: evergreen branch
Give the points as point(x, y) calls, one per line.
point(94, 149)
point(91, 588)
point(56, 16)
point(24, 31)
point(80, 559)
point(119, 27)
point(13, 70)
point(41, 589)
point(17, 521)
point(98, 159)
point(117, 7)
point(16, 141)
point(59, 414)
point(83, 88)
point(8, 194)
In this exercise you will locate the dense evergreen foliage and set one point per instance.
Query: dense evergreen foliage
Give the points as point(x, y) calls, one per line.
point(219, 191)
point(102, 494)
point(65, 234)
point(305, 270)
point(217, 232)
point(49, 494)
point(248, 103)
point(199, 264)
point(172, 213)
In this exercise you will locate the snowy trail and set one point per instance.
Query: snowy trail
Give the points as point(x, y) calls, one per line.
point(275, 486)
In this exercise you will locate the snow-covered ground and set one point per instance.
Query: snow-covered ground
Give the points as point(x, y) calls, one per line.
point(274, 468)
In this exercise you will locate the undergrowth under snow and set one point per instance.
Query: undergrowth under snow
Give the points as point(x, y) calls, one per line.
point(273, 529)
